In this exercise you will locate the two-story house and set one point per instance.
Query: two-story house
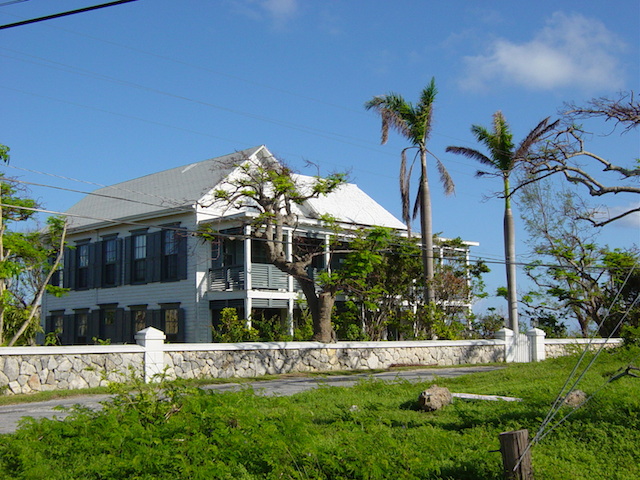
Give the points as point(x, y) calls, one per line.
point(134, 258)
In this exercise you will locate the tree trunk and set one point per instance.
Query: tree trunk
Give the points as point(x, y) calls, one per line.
point(510, 258)
point(320, 305)
point(427, 230)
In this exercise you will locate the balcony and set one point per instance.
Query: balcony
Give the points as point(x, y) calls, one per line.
point(263, 277)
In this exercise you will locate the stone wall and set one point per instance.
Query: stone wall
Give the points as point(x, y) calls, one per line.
point(32, 369)
point(36, 369)
point(254, 360)
point(559, 347)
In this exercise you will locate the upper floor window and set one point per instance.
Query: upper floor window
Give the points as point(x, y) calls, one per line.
point(82, 262)
point(110, 259)
point(169, 255)
point(139, 256)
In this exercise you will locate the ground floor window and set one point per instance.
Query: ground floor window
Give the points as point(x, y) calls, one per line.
point(81, 321)
point(171, 321)
point(139, 317)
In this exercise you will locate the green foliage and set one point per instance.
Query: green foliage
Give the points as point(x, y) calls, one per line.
point(549, 323)
point(486, 325)
point(630, 335)
point(232, 330)
point(370, 431)
point(303, 326)
point(24, 264)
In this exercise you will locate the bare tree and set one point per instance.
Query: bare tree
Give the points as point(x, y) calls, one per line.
point(562, 153)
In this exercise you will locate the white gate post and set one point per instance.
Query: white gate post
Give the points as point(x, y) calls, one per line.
point(506, 334)
point(152, 340)
point(537, 344)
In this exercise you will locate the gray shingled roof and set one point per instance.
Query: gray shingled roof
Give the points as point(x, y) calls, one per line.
point(181, 187)
point(175, 188)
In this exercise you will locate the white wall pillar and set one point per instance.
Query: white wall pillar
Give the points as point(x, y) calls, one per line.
point(506, 334)
point(537, 344)
point(152, 340)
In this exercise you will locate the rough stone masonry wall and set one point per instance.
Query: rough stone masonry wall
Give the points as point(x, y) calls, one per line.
point(264, 361)
point(555, 347)
point(36, 373)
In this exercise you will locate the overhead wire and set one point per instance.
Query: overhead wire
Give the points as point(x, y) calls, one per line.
point(64, 14)
point(543, 431)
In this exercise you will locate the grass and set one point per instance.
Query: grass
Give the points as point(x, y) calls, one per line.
point(370, 431)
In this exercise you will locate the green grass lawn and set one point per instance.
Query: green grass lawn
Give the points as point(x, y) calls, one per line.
point(370, 431)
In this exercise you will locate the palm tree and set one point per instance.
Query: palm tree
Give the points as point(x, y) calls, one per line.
point(414, 123)
point(503, 158)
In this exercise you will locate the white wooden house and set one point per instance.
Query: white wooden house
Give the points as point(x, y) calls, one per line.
point(133, 259)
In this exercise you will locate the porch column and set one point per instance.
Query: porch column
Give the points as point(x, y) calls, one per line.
point(290, 285)
point(327, 252)
point(248, 286)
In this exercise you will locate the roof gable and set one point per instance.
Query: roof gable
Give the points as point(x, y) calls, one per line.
point(177, 189)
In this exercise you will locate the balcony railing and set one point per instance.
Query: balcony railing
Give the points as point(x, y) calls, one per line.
point(263, 277)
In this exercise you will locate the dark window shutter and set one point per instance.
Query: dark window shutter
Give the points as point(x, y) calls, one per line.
point(48, 324)
point(93, 325)
point(122, 332)
point(118, 266)
point(94, 277)
point(68, 329)
point(69, 269)
point(182, 239)
point(181, 319)
point(154, 256)
point(127, 260)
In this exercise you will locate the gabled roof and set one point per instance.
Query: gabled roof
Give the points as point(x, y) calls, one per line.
point(173, 189)
point(181, 188)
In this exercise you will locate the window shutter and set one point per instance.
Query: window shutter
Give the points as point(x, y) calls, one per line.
point(68, 329)
point(182, 239)
point(122, 332)
point(69, 269)
point(154, 256)
point(118, 261)
point(181, 320)
point(94, 277)
point(127, 259)
point(93, 325)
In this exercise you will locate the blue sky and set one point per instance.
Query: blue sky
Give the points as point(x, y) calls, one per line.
point(129, 90)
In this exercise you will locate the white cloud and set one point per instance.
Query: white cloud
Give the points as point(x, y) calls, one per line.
point(278, 11)
point(629, 221)
point(570, 51)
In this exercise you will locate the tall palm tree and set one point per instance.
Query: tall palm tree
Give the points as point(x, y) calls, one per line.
point(503, 158)
point(414, 123)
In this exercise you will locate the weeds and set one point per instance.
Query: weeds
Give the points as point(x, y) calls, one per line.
point(369, 431)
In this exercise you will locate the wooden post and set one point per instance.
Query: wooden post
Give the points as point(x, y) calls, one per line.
point(512, 446)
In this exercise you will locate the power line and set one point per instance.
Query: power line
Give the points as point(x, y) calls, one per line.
point(4, 4)
point(64, 14)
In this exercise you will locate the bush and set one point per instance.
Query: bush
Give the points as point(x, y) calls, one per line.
point(232, 329)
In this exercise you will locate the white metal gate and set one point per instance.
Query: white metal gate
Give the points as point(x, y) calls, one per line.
point(521, 348)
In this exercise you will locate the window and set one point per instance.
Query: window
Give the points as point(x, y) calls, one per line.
point(82, 262)
point(171, 321)
point(110, 259)
point(139, 317)
point(139, 256)
point(169, 255)
point(81, 326)
point(171, 315)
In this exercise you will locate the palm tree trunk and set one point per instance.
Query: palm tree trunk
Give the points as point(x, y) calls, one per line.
point(427, 230)
point(510, 257)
